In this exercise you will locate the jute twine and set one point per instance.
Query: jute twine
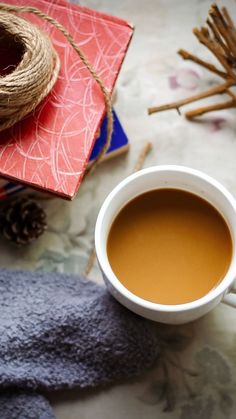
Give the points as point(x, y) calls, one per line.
point(35, 75)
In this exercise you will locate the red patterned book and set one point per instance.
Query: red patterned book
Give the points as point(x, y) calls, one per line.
point(50, 149)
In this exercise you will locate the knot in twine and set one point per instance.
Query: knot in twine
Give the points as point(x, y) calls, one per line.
point(35, 75)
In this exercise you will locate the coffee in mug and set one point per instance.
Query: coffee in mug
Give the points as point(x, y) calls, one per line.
point(169, 246)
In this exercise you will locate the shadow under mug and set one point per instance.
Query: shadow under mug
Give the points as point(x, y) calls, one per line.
point(178, 177)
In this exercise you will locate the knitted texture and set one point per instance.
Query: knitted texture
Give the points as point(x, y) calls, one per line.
point(61, 331)
point(25, 405)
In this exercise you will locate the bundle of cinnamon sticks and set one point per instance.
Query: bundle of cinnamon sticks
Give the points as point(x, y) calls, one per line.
point(219, 36)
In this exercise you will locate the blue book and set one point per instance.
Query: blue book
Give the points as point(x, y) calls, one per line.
point(119, 141)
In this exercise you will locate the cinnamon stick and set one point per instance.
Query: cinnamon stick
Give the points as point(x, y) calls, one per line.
point(215, 49)
point(216, 107)
point(231, 26)
point(178, 104)
point(90, 262)
point(222, 27)
point(142, 157)
point(187, 56)
point(217, 36)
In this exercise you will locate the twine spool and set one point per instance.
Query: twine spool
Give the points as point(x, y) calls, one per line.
point(36, 73)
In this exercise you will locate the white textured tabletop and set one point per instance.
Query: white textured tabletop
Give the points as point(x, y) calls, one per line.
point(199, 379)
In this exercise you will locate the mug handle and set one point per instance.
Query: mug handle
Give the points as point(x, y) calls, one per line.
point(230, 297)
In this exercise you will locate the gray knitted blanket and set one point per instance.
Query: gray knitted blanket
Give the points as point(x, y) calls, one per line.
point(62, 331)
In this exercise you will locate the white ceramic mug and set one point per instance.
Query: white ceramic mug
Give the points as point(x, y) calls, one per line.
point(178, 177)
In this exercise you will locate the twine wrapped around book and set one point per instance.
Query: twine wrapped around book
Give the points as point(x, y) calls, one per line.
point(35, 75)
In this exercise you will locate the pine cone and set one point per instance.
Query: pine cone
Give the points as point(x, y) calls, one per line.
point(22, 221)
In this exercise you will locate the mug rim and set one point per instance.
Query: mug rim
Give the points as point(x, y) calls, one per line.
point(113, 279)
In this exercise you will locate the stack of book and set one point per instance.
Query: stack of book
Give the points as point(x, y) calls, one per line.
point(50, 149)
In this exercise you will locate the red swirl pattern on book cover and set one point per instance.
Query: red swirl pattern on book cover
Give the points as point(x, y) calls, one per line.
point(50, 149)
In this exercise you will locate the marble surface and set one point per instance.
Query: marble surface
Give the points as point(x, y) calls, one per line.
point(196, 376)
